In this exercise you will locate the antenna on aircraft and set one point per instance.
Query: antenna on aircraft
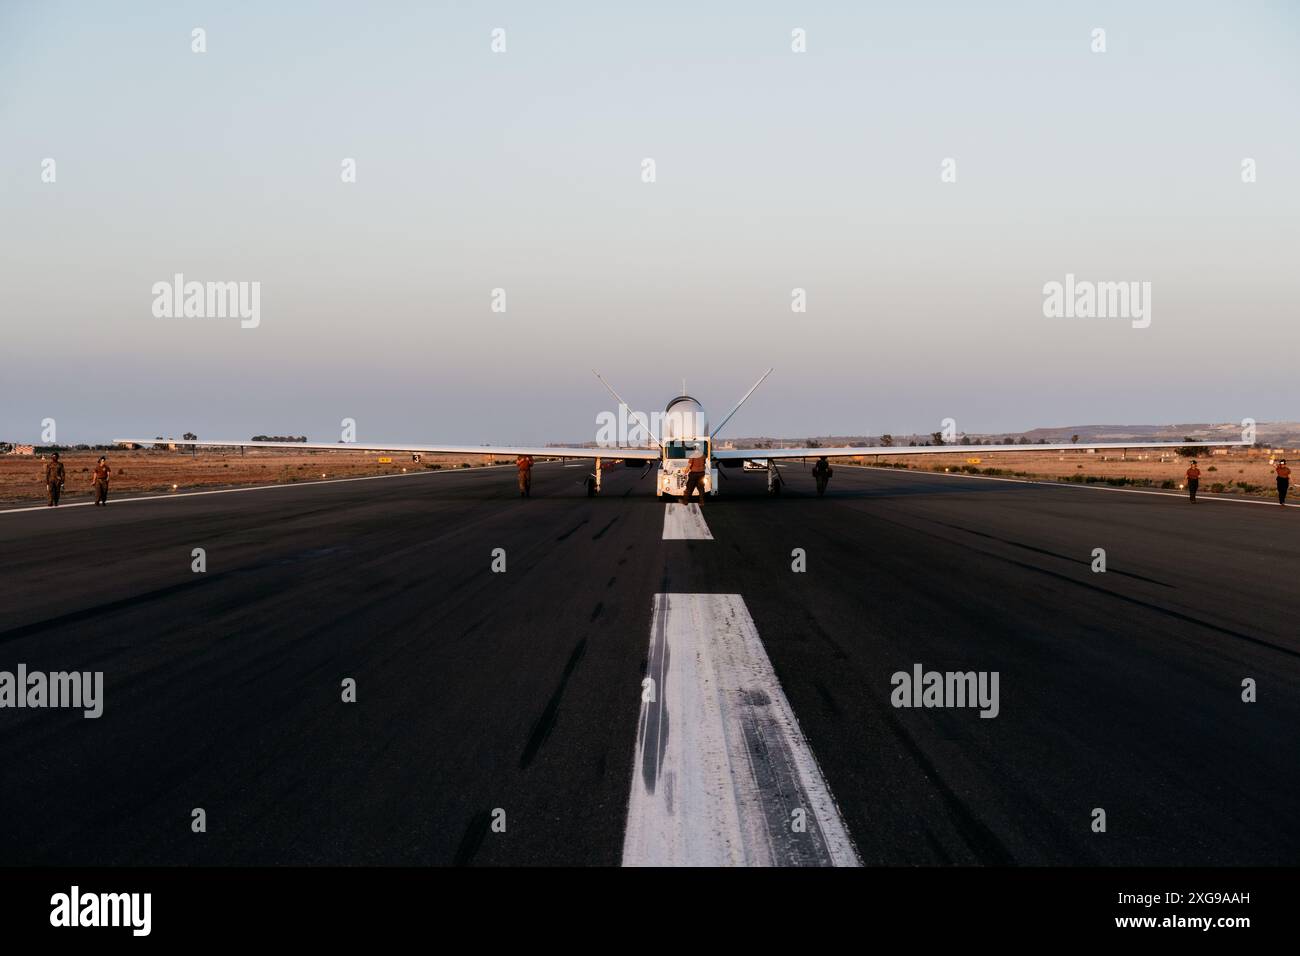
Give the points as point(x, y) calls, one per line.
point(640, 419)
point(739, 403)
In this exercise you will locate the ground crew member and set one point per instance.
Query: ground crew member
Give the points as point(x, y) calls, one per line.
point(694, 479)
point(1283, 481)
point(774, 479)
point(525, 465)
point(1193, 479)
point(100, 481)
point(54, 479)
point(822, 471)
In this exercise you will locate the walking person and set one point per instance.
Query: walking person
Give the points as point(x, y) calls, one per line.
point(822, 471)
point(54, 476)
point(1283, 481)
point(694, 479)
point(525, 465)
point(100, 481)
point(1193, 479)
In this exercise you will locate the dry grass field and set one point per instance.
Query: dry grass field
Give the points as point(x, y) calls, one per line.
point(139, 472)
point(155, 472)
point(1240, 472)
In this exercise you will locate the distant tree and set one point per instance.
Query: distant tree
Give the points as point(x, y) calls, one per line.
point(936, 438)
point(912, 444)
point(190, 436)
point(1074, 439)
point(813, 443)
point(887, 441)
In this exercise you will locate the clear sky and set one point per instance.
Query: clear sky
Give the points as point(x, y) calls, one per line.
point(522, 170)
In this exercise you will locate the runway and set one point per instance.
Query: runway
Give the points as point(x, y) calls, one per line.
point(516, 697)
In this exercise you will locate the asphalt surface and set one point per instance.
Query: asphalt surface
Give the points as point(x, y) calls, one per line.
point(520, 691)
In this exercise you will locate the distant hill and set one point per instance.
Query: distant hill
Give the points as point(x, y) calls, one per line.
point(1278, 433)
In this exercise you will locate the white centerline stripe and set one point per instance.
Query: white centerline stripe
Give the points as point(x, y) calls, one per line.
point(685, 522)
point(721, 766)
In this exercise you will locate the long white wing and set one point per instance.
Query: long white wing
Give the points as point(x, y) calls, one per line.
point(641, 454)
point(762, 453)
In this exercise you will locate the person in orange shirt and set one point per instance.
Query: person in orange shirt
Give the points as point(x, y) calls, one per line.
point(694, 479)
point(525, 465)
point(1283, 481)
point(1193, 479)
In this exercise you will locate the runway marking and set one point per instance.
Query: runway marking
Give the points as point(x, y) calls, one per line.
point(1201, 496)
point(230, 491)
point(721, 766)
point(685, 522)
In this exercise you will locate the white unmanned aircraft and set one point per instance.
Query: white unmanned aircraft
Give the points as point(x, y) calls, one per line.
point(686, 435)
